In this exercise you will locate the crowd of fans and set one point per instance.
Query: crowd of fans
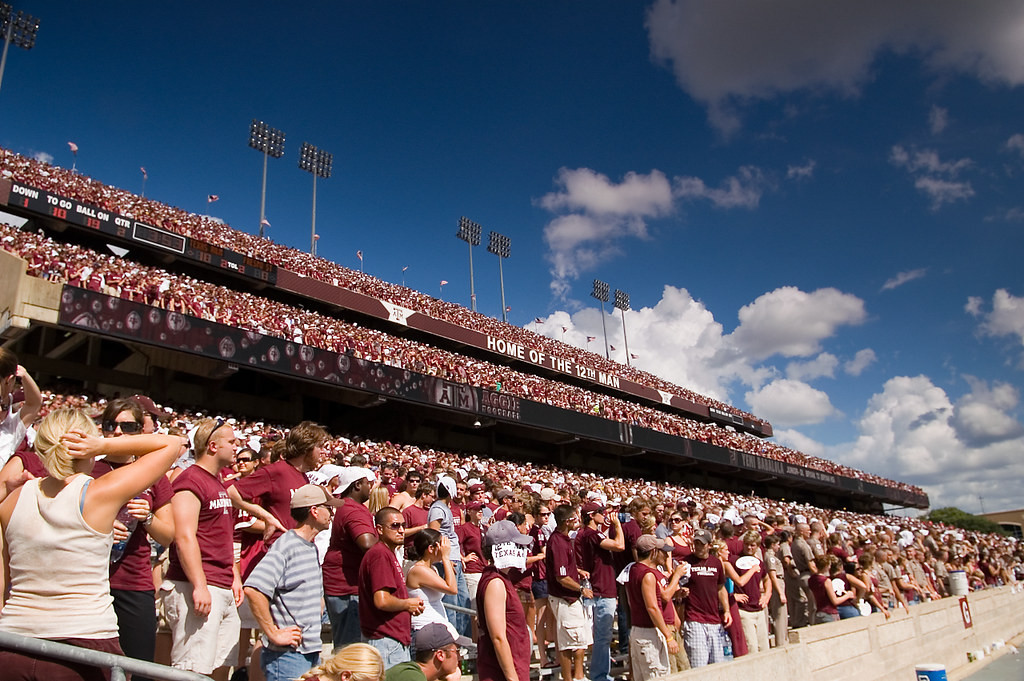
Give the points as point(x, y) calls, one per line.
point(108, 274)
point(82, 188)
point(829, 564)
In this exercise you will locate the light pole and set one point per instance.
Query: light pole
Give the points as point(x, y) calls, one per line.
point(271, 142)
point(622, 302)
point(20, 29)
point(469, 232)
point(318, 162)
point(500, 245)
point(600, 292)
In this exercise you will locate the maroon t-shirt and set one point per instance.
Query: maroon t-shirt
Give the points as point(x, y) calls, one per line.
point(30, 461)
point(213, 531)
point(753, 587)
point(380, 571)
point(516, 633)
point(705, 578)
point(668, 608)
point(820, 586)
point(270, 487)
point(634, 592)
point(471, 540)
point(735, 545)
point(539, 542)
point(341, 563)
point(630, 532)
point(134, 572)
point(414, 517)
point(597, 561)
point(561, 562)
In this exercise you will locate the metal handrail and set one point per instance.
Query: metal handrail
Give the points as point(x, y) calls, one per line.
point(118, 664)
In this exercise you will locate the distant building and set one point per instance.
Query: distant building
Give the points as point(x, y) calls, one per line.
point(1011, 521)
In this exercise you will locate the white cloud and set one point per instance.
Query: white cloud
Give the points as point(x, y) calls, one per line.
point(973, 306)
point(43, 157)
point(607, 212)
point(593, 193)
point(794, 439)
point(913, 431)
point(861, 361)
point(742, 190)
point(793, 323)
point(1007, 315)
point(904, 277)
point(1016, 143)
point(823, 365)
point(801, 172)
point(938, 119)
point(928, 170)
point(727, 54)
point(790, 403)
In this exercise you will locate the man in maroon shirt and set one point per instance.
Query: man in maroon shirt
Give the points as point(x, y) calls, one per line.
point(565, 587)
point(352, 535)
point(415, 515)
point(707, 606)
point(267, 493)
point(595, 550)
point(202, 605)
point(385, 609)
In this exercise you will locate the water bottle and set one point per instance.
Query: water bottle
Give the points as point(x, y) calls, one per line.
point(727, 647)
point(130, 522)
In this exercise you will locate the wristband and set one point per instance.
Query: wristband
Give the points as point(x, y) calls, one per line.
point(149, 520)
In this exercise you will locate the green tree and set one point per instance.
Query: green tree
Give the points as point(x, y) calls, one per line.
point(964, 520)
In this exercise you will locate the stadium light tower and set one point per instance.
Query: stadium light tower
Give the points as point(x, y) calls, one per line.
point(20, 29)
point(469, 232)
point(500, 245)
point(600, 292)
point(318, 162)
point(622, 302)
point(271, 142)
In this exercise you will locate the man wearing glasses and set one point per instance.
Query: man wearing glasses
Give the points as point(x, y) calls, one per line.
point(284, 588)
point(385, 609)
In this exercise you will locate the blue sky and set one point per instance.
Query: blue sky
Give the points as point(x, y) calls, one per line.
point(817, 212)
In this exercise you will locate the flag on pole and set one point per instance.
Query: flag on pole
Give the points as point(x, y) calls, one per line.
point(564, 329)
point(443, 282)
point(211, 198)
point(591, 339)
point(538, 320)
point(634, 356)
point(265, 222)
point(405, 268)
point(316, 237)
point(612, 347)
point(74, 147)
point(508, 308)
point(359, 254)
point(145, 175)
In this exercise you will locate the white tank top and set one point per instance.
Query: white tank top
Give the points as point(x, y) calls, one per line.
point(60, 567)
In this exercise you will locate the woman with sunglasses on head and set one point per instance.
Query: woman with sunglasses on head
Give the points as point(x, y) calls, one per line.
point(428, 548)
point(147, 515)
point(64, 522)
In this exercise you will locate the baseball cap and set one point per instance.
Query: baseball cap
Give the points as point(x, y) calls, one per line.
point(504, 532)
point(433, 636)
point(649, 542)
point(547, 494)
point(474, 506)
point(703, 536)
point(313, 495)
point(593, 507)
point(448, 484)
point(503, 494)
point(352, 474)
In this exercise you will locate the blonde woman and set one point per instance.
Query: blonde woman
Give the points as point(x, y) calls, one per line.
point(378, 499)
point(64, 522)
point(354, 662)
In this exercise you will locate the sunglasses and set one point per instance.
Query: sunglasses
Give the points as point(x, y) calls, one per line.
point(676, 520)
point(395, 526)
point(244, 459)
point(127, 427)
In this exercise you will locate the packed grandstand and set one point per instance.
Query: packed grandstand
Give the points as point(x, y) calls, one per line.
point(80, 267)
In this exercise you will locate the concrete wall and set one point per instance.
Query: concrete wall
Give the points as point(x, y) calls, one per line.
point(873, 648)
point(23, 297)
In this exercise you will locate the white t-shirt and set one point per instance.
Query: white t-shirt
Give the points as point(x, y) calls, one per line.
point(12, 432)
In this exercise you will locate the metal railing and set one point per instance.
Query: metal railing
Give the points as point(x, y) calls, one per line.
point(117, 664)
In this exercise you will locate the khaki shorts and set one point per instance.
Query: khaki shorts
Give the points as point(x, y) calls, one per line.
point(202, 644)
point(573, 629)
point(648, 653)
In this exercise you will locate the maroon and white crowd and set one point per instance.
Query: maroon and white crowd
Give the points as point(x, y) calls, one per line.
point(82, 188)
point(108, 274)
point(674, 576)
